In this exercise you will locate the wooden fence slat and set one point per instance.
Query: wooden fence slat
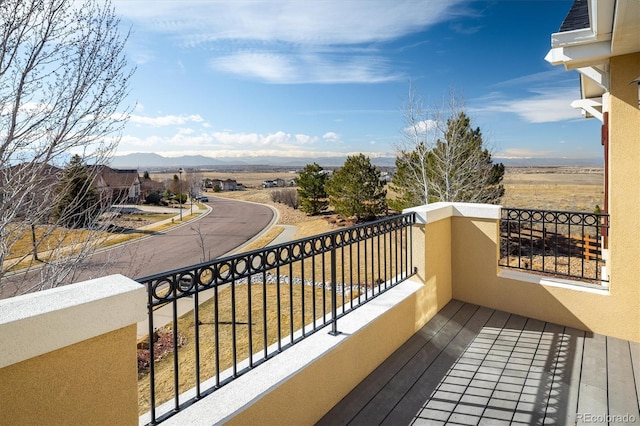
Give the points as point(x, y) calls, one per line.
point(585, 246)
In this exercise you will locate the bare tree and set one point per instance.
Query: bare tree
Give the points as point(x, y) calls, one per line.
point(442, 158)
point(419, 134)
point(201, 238)
point(63, 80)
point(194, 183)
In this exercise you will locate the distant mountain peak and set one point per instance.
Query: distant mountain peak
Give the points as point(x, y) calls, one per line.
point(144, 161)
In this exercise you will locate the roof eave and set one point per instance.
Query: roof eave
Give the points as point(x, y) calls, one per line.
point(580, 55)
point(587, 51)
point(585, 46)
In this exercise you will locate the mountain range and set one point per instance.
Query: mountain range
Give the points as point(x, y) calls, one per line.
point(151, 161)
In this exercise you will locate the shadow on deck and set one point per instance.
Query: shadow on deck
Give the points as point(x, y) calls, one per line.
point(473, 365)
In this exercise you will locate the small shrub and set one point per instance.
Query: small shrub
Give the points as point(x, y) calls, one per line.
point(153, 198)
point(288, 197)
point(163, 345)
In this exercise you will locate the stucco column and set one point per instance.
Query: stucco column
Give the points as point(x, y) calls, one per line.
point(69, 354)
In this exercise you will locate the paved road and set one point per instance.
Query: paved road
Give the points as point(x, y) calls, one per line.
point(231, 224)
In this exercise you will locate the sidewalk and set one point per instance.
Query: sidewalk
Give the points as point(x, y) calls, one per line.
point(285, 236)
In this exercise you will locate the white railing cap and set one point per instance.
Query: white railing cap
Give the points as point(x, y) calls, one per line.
point(36, 323)
point(434, 212)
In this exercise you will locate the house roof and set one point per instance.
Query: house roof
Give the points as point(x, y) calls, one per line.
point(592, 33)
point(115, 178)
point(46, 174)
point(577, 18)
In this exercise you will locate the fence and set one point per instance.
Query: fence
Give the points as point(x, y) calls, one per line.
point(565, 244)
point(245, 309)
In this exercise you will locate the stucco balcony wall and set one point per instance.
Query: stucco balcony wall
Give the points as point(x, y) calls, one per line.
point(476, 277)
point(69, 354)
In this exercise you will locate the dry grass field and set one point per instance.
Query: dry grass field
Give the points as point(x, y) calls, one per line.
point(218, 356)
point(554, 188)
point(549, 188)
point(251, 180)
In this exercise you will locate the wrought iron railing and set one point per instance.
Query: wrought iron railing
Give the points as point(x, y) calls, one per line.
point(558, 243)
point(246, 308)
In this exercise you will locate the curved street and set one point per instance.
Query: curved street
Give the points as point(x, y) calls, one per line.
point(231, 224)
point(227, 227)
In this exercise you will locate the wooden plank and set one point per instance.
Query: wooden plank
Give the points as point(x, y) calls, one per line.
point(566, 379)
point(623, 402)
point(361, 395)
point(397, 389)
point(525, 369)
point(541, 376)
point(592, 396)
point(635, 363)
point(424, 374)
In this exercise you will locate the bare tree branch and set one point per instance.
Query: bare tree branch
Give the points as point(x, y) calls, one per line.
point(63, 82)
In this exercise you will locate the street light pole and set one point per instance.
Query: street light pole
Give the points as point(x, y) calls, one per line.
point(180, 195)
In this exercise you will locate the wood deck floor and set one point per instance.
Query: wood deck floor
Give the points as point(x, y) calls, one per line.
point(473, 365)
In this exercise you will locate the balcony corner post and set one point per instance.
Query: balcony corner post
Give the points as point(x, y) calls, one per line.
point(334, 289)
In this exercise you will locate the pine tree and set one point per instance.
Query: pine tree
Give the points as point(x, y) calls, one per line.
point(356, 189)
point(410, 172)
point(78, 205)
point(311, 189)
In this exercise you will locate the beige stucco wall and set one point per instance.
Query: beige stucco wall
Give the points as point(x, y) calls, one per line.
point(91, 382)
point(438, 275)
point(624, 184)
point(68, 354)
point(476, 279)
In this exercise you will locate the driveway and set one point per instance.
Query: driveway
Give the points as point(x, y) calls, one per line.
point(229, 225)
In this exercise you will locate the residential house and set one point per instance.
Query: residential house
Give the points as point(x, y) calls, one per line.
point(274, 183)
point(229, 185)
point(40, 179)
point(449, 345)
point(210, 183)
point(117, 186)
point(222, 185)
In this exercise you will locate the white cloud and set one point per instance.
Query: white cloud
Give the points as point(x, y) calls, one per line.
point(166, 120)
point(541, 97)
point(227, 143)
point(426, 126)
point(292, 68)
point(519, 153)
point(426, 130)
point(133, 143)
point(267, 67)
point(331, 137)
point(334, 22)
point(292, 41)
point(544, 106)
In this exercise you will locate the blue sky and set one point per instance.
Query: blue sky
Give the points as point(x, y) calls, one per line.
point(322, 78)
